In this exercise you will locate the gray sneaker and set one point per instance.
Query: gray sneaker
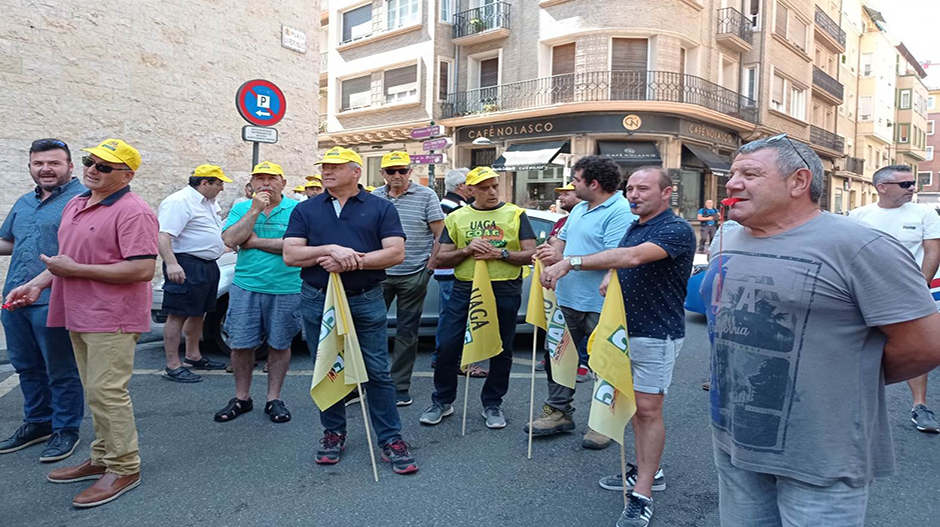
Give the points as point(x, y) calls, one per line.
point(924, 419)
point(494, 417)
point(637, 513)
point(615, 481)
point(435, 413)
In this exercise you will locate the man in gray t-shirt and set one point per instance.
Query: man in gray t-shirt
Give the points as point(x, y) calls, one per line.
point(809, 315)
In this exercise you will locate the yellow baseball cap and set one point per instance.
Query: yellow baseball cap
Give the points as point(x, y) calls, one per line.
point(210, 171)
point(299, 188)
point(313, 177)
point(267, 167)
point(370, 188)
point(313, 183)
point(116, 151)
point(569, 186)
point(395, 159)
point(479, 175)
point(339, 155)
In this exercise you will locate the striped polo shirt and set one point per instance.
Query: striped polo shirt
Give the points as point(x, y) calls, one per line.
point(417, 207)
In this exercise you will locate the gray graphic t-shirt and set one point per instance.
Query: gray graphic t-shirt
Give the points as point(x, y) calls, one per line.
point(797, 386)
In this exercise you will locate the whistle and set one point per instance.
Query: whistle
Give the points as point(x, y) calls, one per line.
point(729, 202)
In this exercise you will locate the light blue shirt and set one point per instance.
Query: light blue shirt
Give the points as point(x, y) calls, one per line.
point(588, 232)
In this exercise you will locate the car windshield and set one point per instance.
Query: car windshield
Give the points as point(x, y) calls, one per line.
point(541, 228)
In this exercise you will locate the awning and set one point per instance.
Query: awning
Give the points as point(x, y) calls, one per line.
point(631, 154)
point(530, 156)
point(719, 165)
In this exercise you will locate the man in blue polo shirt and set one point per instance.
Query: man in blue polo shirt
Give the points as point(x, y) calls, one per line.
point(597, 223)
point(653, 264)
point(346, 230)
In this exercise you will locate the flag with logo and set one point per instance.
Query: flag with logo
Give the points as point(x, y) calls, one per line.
point(613, 402)
point(339, 365)
point(543, 311)
point(481, 339)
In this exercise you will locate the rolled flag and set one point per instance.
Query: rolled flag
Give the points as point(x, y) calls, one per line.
point(543, 311)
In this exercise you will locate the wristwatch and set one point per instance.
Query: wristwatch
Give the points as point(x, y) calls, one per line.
point(575, 262)
point(504, 254)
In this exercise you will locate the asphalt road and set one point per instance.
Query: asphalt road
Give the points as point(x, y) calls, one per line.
point(255, 472)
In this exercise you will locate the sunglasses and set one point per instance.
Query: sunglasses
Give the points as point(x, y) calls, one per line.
point(902, 184)
point(393, 171)
point(100, 167)
point(784, 136)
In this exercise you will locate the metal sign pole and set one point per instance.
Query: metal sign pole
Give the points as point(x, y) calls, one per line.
point(431, 182)
point(254, 154)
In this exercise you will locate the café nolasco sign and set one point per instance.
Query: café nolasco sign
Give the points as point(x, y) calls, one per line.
point(614, 123)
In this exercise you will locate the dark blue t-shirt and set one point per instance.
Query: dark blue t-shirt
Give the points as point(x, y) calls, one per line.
point(653, 293)
point(362, 224)
point(708, 212)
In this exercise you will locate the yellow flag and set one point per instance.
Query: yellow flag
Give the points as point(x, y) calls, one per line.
point(613, 402)
point(543, 311)
point(339, 365)
point(481, 339)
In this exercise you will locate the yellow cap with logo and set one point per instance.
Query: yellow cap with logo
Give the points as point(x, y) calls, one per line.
point(370, 188)
point(116, 151)
point(299, 188)
point(267, 167)
point(479, 175)
point(395, 159)
point(339, 155)
point(211, 171)
point(313, 177)
point(569, 186)
point(313, 183)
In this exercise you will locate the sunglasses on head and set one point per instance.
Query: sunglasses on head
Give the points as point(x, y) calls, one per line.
point(100, 167)
point(902, 184)
point(784, 136)
point(393, 171)
point(49, 143)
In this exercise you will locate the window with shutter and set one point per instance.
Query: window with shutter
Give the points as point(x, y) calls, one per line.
point(776, 96)
point(401, 84)
point(357, 23)
point(797, 32)
point(797, 103)
point(443, 80)
point(489, 72)
point(780, 22)
point(563, 72)
point(864, 108)
point(629, 54)
point(356, 92)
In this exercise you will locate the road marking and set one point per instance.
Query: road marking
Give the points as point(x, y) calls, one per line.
point(9, 384)
point(309, 373)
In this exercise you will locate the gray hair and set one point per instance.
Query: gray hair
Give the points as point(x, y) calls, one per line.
point(883, 173)
point(355, 165)
point(792, 158)
point(454, 178)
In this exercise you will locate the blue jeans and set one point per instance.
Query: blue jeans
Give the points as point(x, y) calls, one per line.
point(370, 318)
point(749, 498)
point(447, 289)
point(43, 358)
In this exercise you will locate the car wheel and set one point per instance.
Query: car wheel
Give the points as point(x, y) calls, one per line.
point(215, 336)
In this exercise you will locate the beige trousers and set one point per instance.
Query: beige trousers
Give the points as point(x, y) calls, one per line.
point(105, 363)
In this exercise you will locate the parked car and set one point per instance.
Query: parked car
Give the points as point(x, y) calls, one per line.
point(693, 298)
point(214, 330)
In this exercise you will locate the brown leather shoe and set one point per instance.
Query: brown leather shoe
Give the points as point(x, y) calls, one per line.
point(86, 470)
point(595, 440)
point(106, 489)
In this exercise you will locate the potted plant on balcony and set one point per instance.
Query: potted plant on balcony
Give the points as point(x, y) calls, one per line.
point(475, 25)
point(490, 108)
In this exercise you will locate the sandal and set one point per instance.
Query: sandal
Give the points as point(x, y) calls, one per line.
point(475, 371)
point(204, 364)
point(277, 411)
point(181, 374)
point(233, 409)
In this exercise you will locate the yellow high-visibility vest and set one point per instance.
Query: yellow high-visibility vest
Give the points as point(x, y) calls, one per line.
point(499, 226)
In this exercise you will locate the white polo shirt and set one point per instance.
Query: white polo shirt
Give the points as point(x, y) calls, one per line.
point(910, 224)
point(193, 223)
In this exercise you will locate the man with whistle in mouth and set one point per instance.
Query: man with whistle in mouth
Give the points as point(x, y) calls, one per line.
point(653, 263)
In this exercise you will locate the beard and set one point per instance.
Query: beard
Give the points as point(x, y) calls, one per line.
point(60, 179)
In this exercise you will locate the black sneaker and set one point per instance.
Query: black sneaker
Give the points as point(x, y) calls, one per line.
point(60, 446)
point(637, 513)
point(403, 399)
point(615, 481)
point(181, 374)
point(27, 435)
point(396, 452)
point(924, 419)
point(331, 446)
point(540, 366)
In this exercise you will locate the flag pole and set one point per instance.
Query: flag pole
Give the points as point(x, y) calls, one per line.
point(623, 473)
point(365, 420)
point(535, 334)
point(466, 394)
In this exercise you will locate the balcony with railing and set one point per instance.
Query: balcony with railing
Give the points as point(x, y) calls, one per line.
point(595, 86)
point(482, 24)
point(826, 139)
point(855, 165)
point(827, 87)
point(831, 33)
point(734, 30)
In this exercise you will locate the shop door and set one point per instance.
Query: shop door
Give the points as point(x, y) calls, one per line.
point(693, 198)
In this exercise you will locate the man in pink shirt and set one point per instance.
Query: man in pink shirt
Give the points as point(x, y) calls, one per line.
point(101, 293)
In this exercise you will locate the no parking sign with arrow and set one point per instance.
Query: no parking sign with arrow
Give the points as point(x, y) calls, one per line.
point(260, 102)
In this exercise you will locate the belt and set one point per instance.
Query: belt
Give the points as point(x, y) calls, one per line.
point(187, 255)
point(349, 292)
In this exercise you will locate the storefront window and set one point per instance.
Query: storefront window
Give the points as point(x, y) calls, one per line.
point(837, 201)
point(690, 200)
point(535, 189)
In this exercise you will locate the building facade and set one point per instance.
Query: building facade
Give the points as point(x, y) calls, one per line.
point(928, 171)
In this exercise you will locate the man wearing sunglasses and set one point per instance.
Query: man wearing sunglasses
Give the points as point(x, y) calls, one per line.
point(190, 243)
point(101, 293)
point(918, 228)
point(810, 314)
point(53, 405)
point(423, 220)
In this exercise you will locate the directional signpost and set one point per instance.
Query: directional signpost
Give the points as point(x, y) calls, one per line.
point(430, 159)
point(261, 103)
point(437, 144)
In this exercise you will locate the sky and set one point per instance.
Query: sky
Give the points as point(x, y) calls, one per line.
point(917, 24)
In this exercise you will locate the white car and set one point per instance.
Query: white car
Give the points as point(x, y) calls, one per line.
point(214, 330)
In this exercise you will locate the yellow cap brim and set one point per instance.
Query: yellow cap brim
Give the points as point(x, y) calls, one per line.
point(224, 179)
point(333, 161)
point(564, 189)
point(269, 172)
point(483, 178)
point(105, 154)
